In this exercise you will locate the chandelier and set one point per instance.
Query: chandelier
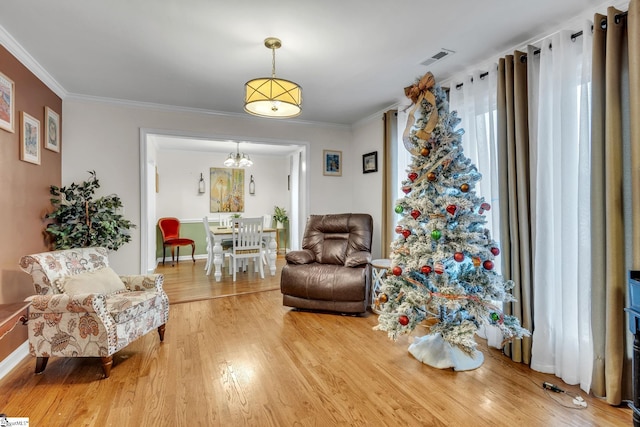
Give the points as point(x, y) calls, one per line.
point(272, 97)
point(237, 159)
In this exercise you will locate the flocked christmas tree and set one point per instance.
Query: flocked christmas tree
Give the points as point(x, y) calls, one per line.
point(442, 262)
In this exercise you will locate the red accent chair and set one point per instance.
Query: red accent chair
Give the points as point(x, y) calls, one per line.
point(170, 228)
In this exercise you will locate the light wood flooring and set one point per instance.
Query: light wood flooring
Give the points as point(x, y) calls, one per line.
point(246, 360)
point(187, 281)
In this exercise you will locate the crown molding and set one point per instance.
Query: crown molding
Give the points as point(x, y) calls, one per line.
point(179, 109)
point(28, 61)
point(377, 115)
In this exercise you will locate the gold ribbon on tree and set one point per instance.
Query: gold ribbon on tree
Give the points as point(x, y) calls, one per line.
point(416, 93)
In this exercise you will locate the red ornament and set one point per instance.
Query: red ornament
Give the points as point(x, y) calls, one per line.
point(464, 188)
point(424, 152)
point(406, 189)
point(438, 268)
point(403, 320)
point(397, 271)
point(431, 176)
point(399, 229)
point(413, 176)
point(458, 256)
point(488, 265)
point(486, 206)
point(425, 269)
point(415, 213)
point(495, 251)
point(406, 233)
point(452, 209)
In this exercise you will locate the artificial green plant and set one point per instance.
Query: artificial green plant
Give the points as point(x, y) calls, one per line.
point(80, 220)
point(280, 214)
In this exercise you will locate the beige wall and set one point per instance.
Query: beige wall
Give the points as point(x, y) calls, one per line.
point(105, 137)
point(24, 197)
point(368, 136)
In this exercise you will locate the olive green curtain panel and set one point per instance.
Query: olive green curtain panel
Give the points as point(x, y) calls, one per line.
point(390, 135)
point(514, 184)
point(614, 35)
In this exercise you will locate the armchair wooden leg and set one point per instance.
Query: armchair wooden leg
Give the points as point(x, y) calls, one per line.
point(107, 362)
point(193, 251)
point(41, 363)
point(164, 253)
point(161, 329)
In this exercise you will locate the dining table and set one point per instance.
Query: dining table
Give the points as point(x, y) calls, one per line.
point(221, 233)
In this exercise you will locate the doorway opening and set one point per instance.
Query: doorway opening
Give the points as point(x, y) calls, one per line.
point(154, 146)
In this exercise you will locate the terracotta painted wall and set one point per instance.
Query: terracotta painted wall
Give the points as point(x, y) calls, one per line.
point(24, 190)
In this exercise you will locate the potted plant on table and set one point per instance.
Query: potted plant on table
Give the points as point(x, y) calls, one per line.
point(80, 220)
point(280, 216)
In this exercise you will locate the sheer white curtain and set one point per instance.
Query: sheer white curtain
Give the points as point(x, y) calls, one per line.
point(475, 103)
point(562, 286)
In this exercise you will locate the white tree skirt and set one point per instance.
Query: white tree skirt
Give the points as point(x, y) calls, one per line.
point(432, 350)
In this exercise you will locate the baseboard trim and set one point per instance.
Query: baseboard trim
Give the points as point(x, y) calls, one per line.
point(181, 258)
point(12, 360)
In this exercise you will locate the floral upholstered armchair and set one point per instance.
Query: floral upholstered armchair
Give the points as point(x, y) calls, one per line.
point(82, 308)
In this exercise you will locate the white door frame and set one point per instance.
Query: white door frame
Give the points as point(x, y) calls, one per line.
point(299, 201)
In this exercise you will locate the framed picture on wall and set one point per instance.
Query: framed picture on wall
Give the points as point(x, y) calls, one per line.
point(29, 138)
point(332, 163)
point(226, 190)
point(370, 162)
point(51, 130)
point(7, 103)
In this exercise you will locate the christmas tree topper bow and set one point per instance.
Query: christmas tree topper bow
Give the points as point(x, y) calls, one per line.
point(417, 92)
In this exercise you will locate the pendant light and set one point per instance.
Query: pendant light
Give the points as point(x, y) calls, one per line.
point(270, 96)
point(237, 160)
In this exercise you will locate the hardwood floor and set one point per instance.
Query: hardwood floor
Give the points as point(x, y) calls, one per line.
point(187, 281)
point(247, 360)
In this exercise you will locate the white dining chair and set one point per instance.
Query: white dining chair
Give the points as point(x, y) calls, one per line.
point(209, 243)
point(267, 222)
point(226, 246)
point(224, 221)
point(247, 243)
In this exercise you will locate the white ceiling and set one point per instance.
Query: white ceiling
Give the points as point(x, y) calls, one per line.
point(352, 57)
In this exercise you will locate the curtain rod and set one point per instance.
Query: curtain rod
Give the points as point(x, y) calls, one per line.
point(574, 36)
point(603, 25)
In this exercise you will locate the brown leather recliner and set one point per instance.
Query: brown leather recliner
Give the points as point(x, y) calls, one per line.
point(331, 272)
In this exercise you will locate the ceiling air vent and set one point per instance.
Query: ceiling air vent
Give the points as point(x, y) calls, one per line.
point(437, 57)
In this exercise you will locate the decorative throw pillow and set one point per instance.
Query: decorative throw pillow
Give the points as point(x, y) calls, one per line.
point(102, 281)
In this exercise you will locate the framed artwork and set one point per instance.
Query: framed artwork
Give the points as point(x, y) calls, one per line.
point(29, 138)
point(51, 130)
point(370, 162)
point(7, 103)
point(332, 163)
point(226, 190)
